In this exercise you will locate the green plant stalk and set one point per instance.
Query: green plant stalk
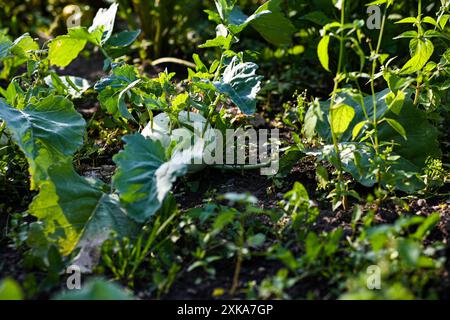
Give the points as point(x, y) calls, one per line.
point(419, 11)
point(2, 128)
point(210, 112)
point(417, 95)
point(337, 80)
point(372, 88)
point(420, 31)
point(105, 54)
point(239, 260)
point(217, 100)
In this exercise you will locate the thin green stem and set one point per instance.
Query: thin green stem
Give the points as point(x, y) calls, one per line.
point(239, 259)
point(337, 81)
point(376, 144)
point(218, 97)
point(420, 9)
point(420, 31)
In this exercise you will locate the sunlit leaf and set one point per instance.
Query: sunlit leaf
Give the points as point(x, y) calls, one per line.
point(47, 132)
point(241, 84)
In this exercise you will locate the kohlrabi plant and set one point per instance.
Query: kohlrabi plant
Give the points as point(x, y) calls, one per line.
point(176, 123)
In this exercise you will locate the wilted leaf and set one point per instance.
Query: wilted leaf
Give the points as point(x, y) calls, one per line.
point(67, 85)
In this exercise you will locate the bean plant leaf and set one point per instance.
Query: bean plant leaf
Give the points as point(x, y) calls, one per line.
point(423, 52)
point(144, 177)
point(322, 52)
point(47, 132)
point(18, 48)
point(341, 117)
point(397, 127)
point(79, 213)
point(395, 101)
point(241, 84)
point(64, 49)
point(357, 129)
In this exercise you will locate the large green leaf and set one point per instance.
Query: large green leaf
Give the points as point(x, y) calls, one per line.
point(47, 132)
point(274, 27)
point(268, 20)
point(241, 84)
point(79, 213)
point(64, 49)
point(422, 53)
point(143, 177)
